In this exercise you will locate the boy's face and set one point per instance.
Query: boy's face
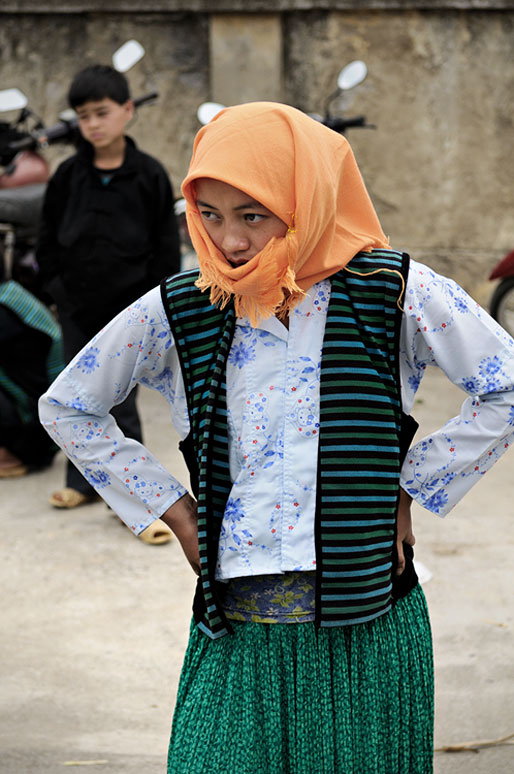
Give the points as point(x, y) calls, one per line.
point(102, 122)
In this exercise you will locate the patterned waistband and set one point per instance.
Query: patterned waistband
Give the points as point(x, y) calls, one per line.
point(287, 598)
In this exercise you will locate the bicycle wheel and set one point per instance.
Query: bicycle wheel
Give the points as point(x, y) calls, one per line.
point(502, 304)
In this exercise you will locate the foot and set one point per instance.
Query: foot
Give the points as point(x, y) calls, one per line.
point(71, 498)
point(156, 534)
point(10, 465)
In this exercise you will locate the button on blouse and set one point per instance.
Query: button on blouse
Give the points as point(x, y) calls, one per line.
point(273, 416)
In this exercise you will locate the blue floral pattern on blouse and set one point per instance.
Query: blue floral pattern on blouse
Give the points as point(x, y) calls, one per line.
point(273, 416)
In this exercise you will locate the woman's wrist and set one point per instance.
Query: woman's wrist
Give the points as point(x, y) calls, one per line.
point(181, 510)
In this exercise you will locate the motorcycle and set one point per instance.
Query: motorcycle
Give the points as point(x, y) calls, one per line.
point(24, 171)
point(502, 300)
point(23, 179)
point(349, 77)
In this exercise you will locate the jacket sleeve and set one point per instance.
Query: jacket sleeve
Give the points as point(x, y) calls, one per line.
point(47, 249)
point(166, 258)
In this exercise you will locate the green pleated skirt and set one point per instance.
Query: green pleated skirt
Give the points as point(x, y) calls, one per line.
point(293, 699)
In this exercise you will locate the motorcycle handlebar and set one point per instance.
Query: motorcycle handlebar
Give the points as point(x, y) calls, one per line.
point(145, 98)
point(60, 131)
point(63, 130)
point(341, 124)
point(24, 144)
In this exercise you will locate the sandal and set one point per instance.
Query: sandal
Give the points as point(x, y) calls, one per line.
point(70, 498)
point(12, 471)
point(156, 534)
point(11, 466)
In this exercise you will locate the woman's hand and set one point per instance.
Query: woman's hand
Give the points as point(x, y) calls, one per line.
point(181, 518)
point(404, 526)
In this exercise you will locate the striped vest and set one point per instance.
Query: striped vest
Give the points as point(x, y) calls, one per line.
point(359, 453)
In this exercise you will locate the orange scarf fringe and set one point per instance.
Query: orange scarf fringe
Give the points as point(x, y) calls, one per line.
point(307, 176)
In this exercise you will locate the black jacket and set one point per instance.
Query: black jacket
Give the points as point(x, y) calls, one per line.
point(100, 245)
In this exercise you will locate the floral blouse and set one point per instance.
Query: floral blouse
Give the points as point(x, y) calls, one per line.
point(273, 416)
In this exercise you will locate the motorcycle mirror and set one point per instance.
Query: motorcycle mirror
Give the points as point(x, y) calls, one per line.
point(351, 75)
point(207, 111)
point(127, 55)
point(12, 99)
point(179, 207)
point(67, 115)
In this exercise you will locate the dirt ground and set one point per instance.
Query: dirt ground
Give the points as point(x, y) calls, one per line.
point(94, 622)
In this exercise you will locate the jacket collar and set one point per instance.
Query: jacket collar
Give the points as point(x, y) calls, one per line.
point(85, 154)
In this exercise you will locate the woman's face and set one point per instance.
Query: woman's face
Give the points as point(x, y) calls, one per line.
point(239, 226)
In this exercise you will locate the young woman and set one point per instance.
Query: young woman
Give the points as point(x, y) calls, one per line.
point(290, 364)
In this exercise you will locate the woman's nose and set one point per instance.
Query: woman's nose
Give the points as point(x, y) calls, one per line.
point(234, 240)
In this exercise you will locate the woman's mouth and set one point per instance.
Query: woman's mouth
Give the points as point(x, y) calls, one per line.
point(236, 262)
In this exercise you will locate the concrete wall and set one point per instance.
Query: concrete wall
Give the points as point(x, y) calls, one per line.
point(440, 90)
point(40, 53)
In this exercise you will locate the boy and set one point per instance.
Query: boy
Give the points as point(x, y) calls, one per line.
point(108, 232)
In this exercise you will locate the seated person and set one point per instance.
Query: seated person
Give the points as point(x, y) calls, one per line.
point(30, 359)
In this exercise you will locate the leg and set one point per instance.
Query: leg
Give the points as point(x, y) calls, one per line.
point(73, 339)
point(126, 414)
point(127, 417)
point(25, 443)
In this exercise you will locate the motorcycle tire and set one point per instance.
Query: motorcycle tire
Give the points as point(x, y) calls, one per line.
point(502, 304)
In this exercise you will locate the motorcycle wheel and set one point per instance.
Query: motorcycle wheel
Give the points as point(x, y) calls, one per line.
point(502, 304)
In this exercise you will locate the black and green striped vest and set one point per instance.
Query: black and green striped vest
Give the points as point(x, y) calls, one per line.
point(359, 440)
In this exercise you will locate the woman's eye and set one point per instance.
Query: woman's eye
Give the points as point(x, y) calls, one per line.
point(253, 217)
point(207, 215)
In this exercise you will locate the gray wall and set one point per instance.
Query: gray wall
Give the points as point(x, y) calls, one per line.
point(40, 53)
point(440, 90)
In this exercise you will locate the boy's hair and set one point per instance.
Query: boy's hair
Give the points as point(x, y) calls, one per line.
point(98, 82)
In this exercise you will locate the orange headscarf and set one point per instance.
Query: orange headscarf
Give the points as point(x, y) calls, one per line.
point(306, 175)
